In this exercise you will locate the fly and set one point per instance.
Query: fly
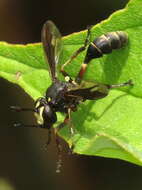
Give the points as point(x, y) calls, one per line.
point(65, 96)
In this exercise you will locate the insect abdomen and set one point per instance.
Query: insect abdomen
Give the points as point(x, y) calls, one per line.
point(105, 44)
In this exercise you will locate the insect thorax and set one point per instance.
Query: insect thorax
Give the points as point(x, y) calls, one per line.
point(55, 95)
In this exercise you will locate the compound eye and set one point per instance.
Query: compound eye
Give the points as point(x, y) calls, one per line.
point(40, 102)
point(49, 115)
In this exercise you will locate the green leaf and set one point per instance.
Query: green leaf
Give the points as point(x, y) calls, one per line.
point(109, 127)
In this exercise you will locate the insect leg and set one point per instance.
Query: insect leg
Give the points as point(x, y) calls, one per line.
point(48, 140)
point(37, 126)
point(85, 62)
point(66, 121)
point(128, 83)
point(59, 147)
point(76, 53)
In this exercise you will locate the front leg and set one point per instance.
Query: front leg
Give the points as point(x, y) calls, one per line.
point(37, 126)
point(58, 145)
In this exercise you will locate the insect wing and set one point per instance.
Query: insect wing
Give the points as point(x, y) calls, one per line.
point(51, 40)
point(89, 91)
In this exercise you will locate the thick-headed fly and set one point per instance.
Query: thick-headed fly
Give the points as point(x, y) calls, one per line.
point(65, 96)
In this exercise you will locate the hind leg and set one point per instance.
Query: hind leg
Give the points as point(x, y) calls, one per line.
point(77, 52)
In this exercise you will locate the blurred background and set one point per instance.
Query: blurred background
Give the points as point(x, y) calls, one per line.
point(24, 164)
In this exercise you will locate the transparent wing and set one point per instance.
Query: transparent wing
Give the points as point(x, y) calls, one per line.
point(89, 91)
point(51, 40)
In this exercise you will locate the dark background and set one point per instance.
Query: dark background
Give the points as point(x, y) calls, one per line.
point(23, 162)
